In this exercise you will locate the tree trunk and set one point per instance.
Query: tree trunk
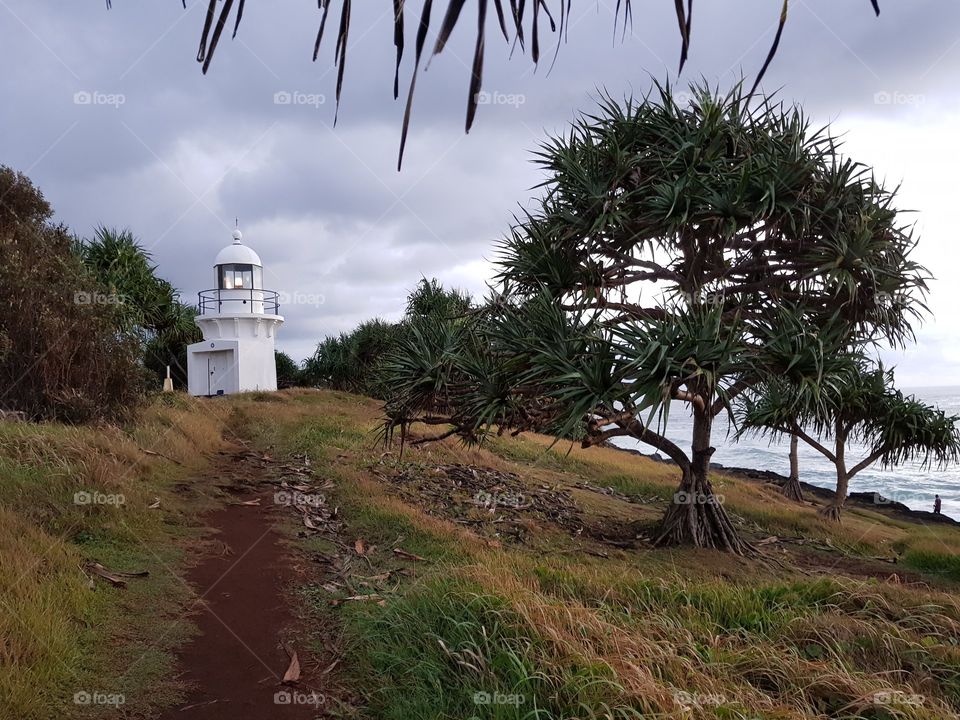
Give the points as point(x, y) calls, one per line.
point(791, 488)
point(696, 515)
point(833, 509)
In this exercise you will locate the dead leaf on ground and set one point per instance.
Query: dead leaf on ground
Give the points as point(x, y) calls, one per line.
point(293, 670)
point(365, 598)
point(360, 546)
point(406, 555)
point(115, 578)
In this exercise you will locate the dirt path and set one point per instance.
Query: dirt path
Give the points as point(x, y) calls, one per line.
point(236, 664)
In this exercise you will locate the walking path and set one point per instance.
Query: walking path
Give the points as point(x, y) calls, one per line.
point(236, 665)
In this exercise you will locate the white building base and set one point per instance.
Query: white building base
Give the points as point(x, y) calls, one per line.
point(235, 355)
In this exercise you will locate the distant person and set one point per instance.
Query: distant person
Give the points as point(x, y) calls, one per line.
point(936, 504)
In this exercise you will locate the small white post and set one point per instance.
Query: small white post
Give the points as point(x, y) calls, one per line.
point(168, 381)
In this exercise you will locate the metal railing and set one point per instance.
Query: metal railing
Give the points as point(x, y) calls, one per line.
point(230, 300)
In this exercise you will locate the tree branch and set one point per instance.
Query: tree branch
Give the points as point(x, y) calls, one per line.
point(796, 430)
point(866, 462)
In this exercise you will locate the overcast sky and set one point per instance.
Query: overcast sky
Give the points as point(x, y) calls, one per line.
point(108, 112)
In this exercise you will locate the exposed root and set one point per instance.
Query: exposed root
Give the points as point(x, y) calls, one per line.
point(791, 489)
point(831, 512)
point(699, 519)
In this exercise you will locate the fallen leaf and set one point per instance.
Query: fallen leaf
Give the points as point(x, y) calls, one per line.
point(293, 670)
point(366, 598)
point(360, 546)
point(406, 555)
point(380, 577)
point(114, 578)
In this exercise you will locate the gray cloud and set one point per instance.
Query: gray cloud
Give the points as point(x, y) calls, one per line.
point(184, 154)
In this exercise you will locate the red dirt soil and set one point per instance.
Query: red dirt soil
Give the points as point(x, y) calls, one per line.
point(235, 665)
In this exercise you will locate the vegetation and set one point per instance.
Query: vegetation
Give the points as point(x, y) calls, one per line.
point(61, 356)
point(356, 361)
point(862, 406)
point(83, 323)
point(576, 624)
point(289, 373)
point(147, 306)
point(573, 618)
point(76, 495)
point(681, 252)
point(511, 25)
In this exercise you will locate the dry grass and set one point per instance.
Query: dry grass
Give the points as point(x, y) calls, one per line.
point(561, 624)
point(59, 635)
point(676, 633)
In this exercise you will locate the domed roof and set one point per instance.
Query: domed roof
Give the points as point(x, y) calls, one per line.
point(237, 253)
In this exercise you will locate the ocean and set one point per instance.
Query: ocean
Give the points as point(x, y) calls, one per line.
point(909, 484)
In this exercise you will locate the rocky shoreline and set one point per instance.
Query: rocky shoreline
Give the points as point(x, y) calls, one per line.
point(871, 500)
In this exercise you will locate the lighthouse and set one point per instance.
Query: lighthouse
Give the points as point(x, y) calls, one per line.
point(239, 320)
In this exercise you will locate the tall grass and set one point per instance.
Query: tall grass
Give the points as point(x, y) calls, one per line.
point(71, 495)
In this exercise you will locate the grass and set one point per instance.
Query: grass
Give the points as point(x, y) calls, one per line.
point(935, 563)
point(72, 495)
point(547, 630)
point(558, 625)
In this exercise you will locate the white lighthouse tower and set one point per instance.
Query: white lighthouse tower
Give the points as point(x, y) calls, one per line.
point(239, 321)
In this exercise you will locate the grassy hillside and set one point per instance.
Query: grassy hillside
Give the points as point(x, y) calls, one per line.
point(552, 605)
point(510, 581)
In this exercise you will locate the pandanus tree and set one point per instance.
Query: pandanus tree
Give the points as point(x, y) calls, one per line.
point(143, 304)
point(862, 407)
point(680, 252)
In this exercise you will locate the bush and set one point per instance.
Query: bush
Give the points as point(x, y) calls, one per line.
point(355, 361)
point(288, 372)
point(60, 354)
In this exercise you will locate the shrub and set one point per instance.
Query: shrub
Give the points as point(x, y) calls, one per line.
point(60, 354)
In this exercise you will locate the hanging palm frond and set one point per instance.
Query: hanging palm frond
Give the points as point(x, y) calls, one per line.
point(216, 22)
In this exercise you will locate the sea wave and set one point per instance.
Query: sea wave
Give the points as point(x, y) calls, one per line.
point(910, 483)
